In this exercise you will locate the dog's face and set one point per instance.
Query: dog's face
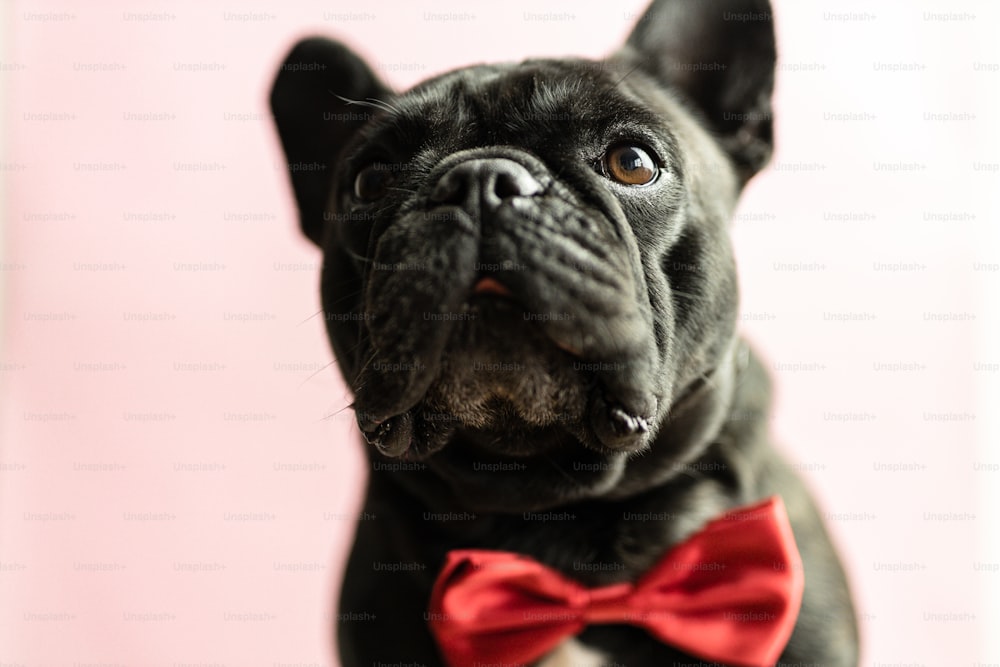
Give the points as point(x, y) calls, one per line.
point(527, 267)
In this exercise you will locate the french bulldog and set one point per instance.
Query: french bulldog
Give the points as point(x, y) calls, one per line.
point(529, 286)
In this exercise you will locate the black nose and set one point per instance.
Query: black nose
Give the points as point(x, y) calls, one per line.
point(484, 184)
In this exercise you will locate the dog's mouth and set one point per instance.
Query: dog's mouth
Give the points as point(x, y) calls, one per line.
point(509, 383)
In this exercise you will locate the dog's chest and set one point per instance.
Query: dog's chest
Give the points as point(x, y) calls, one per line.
point(572, 653)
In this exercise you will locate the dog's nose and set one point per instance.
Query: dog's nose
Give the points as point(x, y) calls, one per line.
point(484, 184)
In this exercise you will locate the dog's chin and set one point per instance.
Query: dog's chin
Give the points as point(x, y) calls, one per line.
point(503, 375)
point(483, 479)
point(504, 464)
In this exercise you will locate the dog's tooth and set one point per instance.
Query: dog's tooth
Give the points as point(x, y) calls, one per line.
point(615, 426)
point(393, 436)
point(627, 424)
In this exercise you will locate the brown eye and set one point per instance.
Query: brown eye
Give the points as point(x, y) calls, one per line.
point(372, 183)
point(630, 165)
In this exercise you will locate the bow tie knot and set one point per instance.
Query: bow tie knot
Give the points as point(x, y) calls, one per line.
point(607, 604)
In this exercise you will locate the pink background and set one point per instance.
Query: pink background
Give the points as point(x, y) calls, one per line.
point(179, 488)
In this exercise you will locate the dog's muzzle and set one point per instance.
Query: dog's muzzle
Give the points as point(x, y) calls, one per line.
point(510, 267)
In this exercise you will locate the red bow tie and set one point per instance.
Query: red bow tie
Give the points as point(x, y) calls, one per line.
point(730, 594)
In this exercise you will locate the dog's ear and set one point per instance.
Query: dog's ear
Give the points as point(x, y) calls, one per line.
point(311, 102)
point(721, 55)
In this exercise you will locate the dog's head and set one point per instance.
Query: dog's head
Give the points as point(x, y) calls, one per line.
point(527, 266)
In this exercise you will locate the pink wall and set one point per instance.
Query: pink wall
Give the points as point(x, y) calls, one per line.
point(176, 482)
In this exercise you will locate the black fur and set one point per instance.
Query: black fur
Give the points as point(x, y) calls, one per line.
point(605, 408)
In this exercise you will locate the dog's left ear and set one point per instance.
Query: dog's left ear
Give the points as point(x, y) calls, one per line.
point(721, 55)
point(313, 104)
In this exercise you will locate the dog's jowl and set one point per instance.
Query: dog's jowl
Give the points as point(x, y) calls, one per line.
point(529, 286)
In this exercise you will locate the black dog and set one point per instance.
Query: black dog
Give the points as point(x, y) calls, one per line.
point(529, 285)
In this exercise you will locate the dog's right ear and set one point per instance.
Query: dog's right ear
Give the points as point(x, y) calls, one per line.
point(311, 102)
point(721, 55)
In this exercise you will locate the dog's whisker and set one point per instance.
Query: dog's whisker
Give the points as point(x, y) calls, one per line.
point(357, 381)
point(334, 414)
point(317, 372)
point(385, 105)
point(344, 297)
point(355, 256)
point(627, 75)
point(370, 102)
point(354, 348)
point(318, 312)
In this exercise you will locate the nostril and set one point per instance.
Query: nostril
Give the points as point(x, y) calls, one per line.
point(515, 181)
point(506, 185)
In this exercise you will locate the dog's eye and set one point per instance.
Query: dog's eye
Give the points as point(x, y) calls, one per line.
point(372, 183)
point(630, 165)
